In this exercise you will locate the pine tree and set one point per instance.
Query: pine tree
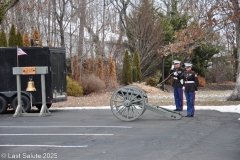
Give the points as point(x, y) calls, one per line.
point(111, 70)
point(136, 63)
point(134, 73)
point(35, 37)
point(40, 42)
point(201, 56)
point(19, 39)
point(100, 69)
point(127, 70)
point(26, 40)
point(12, 37)
point(3, 39)
point(114, 74)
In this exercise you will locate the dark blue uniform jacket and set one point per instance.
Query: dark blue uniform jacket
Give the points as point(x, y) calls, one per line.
point(176, 78)
point(190, 81)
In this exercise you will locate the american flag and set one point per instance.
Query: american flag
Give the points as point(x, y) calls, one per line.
point(20, 52)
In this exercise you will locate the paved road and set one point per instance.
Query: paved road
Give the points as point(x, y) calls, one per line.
point(98, 135)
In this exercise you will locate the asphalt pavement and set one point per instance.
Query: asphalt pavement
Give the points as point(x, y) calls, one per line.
point(97, 134)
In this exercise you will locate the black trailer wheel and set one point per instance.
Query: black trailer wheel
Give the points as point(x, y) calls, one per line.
point(3, 105)
point(25, 103)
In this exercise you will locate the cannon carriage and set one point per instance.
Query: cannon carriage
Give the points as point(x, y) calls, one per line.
point(130, 102)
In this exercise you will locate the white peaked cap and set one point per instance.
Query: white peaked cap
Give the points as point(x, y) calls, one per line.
point(187, 64)
point(176, 61)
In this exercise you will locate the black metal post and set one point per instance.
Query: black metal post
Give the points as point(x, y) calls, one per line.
point(163, 58)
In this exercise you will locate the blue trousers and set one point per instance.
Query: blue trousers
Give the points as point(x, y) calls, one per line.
point(190, 97)
point(178, 97)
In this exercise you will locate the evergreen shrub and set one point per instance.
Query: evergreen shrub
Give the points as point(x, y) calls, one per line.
point(127, 70)
point(151, 81)
point(134, 74)
point(73, 88)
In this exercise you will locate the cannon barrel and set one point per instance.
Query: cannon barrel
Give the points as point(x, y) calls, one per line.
point(130, 102)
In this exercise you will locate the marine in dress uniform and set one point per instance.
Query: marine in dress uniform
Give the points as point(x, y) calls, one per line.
point(177, 84)
point(190, 84)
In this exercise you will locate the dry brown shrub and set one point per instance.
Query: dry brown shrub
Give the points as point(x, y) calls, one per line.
point(147, 88)
point(169, 80)
point(91, 83)
point(50, 44)
point(202, 81)
point(219, 73)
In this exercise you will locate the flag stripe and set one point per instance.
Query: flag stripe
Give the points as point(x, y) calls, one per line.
point(20, 52)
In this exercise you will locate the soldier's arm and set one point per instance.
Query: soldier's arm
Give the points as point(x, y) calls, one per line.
point(183, 79)
point(180, 76)
point(171, 71)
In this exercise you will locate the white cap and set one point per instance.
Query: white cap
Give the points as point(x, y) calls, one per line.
point(176, 61)
point(188, 64)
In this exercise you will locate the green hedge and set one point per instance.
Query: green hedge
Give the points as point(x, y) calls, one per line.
point(73, 88)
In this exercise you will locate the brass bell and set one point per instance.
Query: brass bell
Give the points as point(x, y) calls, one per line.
point(30, 86)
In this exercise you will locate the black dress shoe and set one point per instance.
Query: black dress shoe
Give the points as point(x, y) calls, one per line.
point(189, 115)
point(175, 110)
point(180, 110)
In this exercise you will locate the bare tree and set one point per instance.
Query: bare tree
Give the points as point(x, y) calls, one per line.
point(223, 16)
point(145, 34)
point(121, 7)
point(59, 13)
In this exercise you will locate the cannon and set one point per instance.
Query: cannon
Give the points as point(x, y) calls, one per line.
point(130, 102)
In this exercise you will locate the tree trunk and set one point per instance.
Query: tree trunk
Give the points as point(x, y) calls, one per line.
point(62, 34)
point(103, 31)
point(235, 96)
point(48, 24)
point(81, 29)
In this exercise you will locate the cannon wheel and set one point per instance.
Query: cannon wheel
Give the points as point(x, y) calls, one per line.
point(127, 103)
point(143, 93)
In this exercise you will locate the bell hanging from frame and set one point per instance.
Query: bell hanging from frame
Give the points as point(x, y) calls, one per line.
point(30, 86)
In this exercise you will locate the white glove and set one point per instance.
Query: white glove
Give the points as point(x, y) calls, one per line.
point(175, 73)
point(183, 88)
point(195, 92)
point(172, 67)
point(181, 81)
